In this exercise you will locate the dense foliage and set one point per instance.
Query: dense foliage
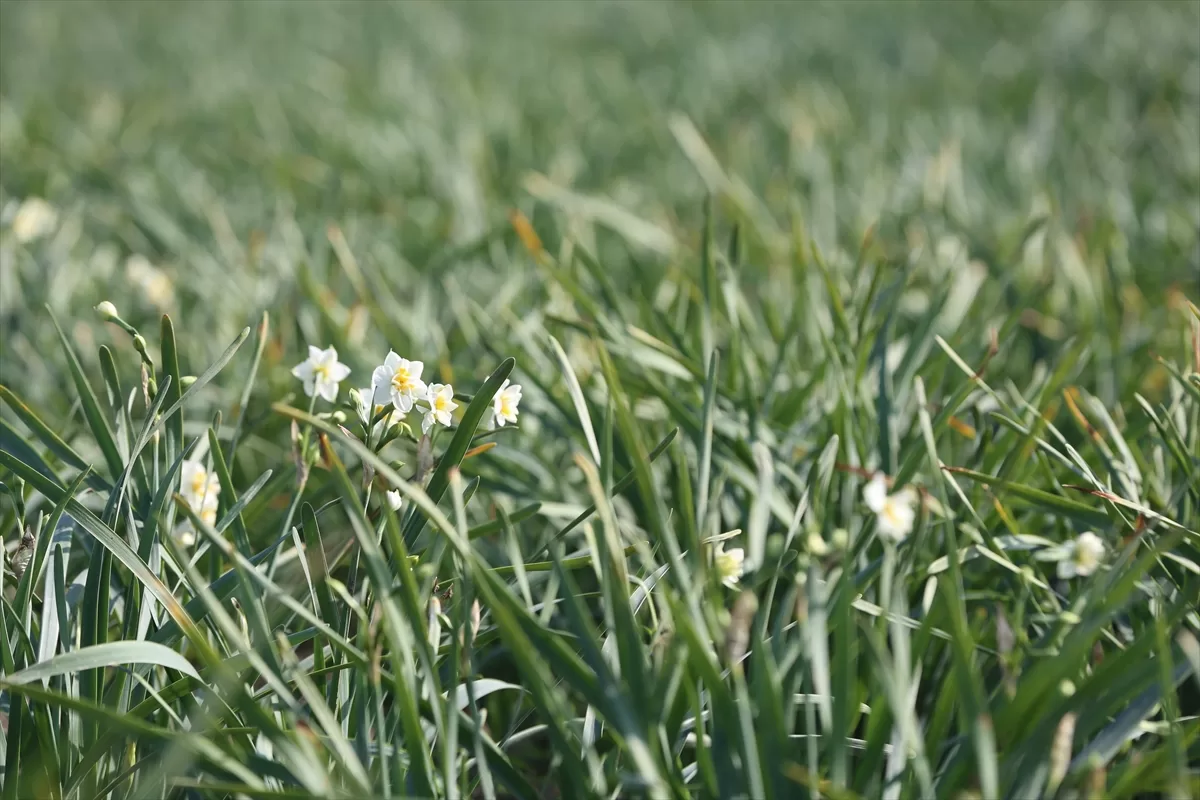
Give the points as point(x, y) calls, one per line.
point(857, 445)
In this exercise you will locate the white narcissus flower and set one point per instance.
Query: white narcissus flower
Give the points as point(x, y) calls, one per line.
point(35, 218)
point(729, 564)
point(504, 404)
point(1082, 556)
point(200, 489)
point(197, 485)
point(440, 399)
point(394, 500)
point(896, 512)
point(321, 373)
point(399, 380)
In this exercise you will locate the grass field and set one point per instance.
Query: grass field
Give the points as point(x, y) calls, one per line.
point(857, 447)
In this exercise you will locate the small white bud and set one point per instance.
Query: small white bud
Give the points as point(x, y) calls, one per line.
point(435, 622)
point(107, 311)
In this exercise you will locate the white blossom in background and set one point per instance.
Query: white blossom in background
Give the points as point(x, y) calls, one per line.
point(729, 564)
point(35, 218)
point(504, 404)
point(896, 512)
point(439, 397)
point(321, 373)
point(400, 380)
point(155, 284)
point(1082, 556)
point(394, 500)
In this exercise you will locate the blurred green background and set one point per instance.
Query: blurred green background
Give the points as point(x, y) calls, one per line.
point(212, 143)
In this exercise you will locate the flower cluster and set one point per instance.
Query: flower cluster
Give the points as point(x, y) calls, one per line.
point(200, 489)
point(397, 381)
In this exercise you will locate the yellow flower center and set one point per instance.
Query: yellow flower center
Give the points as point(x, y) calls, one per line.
point(890, 513)
point(402, 381)
point(199, 481)
point(506, 407)
point(439, 402)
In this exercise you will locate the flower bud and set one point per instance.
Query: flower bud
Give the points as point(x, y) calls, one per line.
point(107, 311)
point(186, 381)
point(840, 538)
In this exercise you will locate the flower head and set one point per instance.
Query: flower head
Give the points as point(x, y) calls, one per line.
point(394, 500)
point(35, 218)
point(1081, 556)
point(399, 380)
point(896, 512)
point(439, 397)
point(321, 373)
point(504, 404)
point(729, 564)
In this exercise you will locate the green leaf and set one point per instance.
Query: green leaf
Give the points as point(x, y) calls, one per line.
point(49, 438)
point(91, 406)
point(110, 654)
point(479, 406)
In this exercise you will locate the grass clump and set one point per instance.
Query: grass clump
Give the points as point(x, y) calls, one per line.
point(808, 400)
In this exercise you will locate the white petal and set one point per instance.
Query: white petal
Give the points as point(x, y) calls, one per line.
point(403, 401)
point(427, 422)
point(328, 390)
point(339, 372)
point(394, 500)
point(391, 361)
point(314, 354)
point(415, 368)
point(381, 377)
point(309, 385)
point(875, 493)
point(303, 370)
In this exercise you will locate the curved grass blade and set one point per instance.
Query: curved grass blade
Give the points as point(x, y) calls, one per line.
point(110, 654)
point(49, 438)
point(91, 406)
